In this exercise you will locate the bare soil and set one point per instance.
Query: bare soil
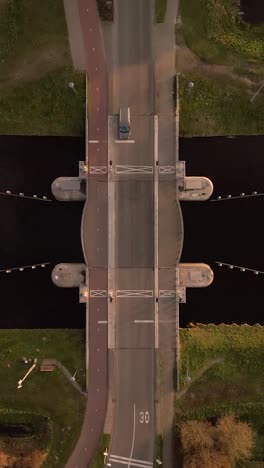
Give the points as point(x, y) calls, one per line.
point(33, 66)
point(187, 61)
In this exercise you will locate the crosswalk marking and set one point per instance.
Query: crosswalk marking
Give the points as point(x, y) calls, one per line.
point(122, 169)
point(134, 293)
point(131, 461)
point(167, 169)
point(98, 293)
point(98, 170)
point(167, 293)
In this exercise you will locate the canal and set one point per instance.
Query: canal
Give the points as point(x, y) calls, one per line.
point(253, 11)
point(230, 231)
point(34, 231)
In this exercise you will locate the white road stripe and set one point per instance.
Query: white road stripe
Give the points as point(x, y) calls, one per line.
point(133, 460)
point(132, 463)
point(143, 321)
point(133, 439)
point(124, 141)
point(93, 141)
point(102, 321)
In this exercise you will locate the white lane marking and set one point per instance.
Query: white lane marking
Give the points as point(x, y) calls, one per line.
point(97, 293)
point(167, 293)
point(124, 141)
point(133, 439)
point(102, 321)
point(133, 463)
point(143, 321)
point(167, 169)
point(132, 459)
point(156, 228)
point(93, 141)
point(126, 169)
point(98, 169)
point(134, 293)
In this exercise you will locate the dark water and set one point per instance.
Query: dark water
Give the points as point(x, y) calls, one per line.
point(34, 231)
point(254, 11)
point(229, 231)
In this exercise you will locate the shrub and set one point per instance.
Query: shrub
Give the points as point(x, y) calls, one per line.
point(216, 446)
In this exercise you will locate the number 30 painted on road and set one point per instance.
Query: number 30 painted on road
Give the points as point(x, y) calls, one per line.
point(144, 417)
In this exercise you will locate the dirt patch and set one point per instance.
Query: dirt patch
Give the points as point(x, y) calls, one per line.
point(187, 61)
point(33, 67)
point(31, 460)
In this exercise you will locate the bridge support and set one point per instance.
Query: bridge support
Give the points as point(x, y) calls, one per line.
point(71, 188)
point(192, 188)
point(71, 275)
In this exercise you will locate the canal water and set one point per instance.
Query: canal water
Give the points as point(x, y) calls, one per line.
point(254, 11)
point(230, 231)
point(34, 231)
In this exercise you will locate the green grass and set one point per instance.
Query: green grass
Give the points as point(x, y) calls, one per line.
point(99, 459)
point(234, 385)
point(218, 107)
point(213, 30)
point(44, 107)
point(160, 10)
point(28, 26)
point(159, 446)
point(43, 394)
point(35, 69)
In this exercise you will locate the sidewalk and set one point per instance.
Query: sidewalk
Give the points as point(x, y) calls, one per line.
point(165, 70)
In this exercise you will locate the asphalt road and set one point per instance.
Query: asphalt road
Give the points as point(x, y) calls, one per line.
point(131, 84)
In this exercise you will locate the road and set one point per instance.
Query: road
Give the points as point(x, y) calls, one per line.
point(131, 236)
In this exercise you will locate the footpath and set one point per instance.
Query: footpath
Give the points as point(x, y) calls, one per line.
point(165, 70)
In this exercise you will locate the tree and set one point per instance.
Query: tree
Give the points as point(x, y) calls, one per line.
point(207, 445)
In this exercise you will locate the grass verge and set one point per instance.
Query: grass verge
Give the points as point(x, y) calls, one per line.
point(160, 10)
point(235, 384)
point(44, 395)
point(99, 459)
point(214, 31)
point(35, 69)
point(44, 107)
point(27, 26)
point(159, 443)
point(218, 106)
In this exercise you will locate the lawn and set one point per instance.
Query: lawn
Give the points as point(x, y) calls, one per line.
point(46, 106)
point(99, 459)
point(218, 106)
point(46, 400)
point(159, 445)
point(215, 32)
point(236, 384)
point(160, 10)
point(28, 29)
point(35, 69)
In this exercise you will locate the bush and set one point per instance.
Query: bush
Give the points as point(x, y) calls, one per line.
point(216, 446)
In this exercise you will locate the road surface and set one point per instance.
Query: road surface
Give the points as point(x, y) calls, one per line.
point(131, 236)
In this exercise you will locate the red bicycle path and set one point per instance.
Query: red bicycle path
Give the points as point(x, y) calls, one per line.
point(95, 411)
